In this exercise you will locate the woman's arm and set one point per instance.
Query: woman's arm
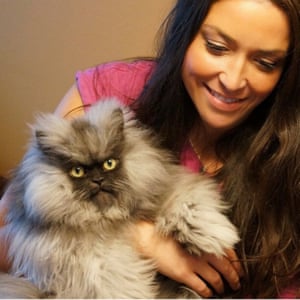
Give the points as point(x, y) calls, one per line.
point(4, 202)
point(71, 105)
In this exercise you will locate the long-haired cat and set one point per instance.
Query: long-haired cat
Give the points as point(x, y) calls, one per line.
point(77, 195)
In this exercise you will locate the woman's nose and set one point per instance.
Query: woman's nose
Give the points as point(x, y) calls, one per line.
point(233, 77)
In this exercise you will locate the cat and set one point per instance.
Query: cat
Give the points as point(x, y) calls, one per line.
point(78, 193)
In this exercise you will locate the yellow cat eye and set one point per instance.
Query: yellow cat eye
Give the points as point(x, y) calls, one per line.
point(77, 172)
point(110, 164)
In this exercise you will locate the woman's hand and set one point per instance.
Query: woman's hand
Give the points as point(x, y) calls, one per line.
point(4, 263)
point(202, 274)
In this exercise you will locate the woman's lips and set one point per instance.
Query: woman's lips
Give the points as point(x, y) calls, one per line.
point(222, 98)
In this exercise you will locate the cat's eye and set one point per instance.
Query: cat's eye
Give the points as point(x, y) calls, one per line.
point(110, 164)
point(77, 172)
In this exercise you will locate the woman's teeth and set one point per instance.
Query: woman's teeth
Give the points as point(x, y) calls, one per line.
point(224, 99)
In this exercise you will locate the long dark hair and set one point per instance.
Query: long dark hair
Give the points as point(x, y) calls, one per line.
point(263, 180)
point(261, 172)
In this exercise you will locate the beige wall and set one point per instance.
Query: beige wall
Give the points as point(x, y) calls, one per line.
point(43, 43)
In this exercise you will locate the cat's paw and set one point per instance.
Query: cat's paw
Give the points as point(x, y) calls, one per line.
point(196, 218)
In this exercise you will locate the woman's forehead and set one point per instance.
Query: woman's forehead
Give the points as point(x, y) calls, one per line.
point(252, 22)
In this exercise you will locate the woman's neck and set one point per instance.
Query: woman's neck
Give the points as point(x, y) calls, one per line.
point(203, 140)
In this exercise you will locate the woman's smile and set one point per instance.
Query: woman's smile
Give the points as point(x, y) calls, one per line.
point(223, 98)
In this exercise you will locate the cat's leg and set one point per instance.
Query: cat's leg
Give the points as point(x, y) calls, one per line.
point(121, 272)
point(194, 215)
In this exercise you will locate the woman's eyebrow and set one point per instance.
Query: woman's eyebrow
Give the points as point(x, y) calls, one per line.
point(276, 53)
point(219, 32)
point(230, 40)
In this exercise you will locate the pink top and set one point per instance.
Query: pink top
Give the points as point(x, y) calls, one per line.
point(116, 79)
point(126, 81)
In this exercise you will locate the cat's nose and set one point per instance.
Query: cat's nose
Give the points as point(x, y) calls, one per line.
point(95, 185)
point(97, 180)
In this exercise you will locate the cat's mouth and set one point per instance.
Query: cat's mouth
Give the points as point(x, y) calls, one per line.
point(107, 190)
point(103, 196)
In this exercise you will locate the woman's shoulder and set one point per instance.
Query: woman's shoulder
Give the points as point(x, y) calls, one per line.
point(122, 79)
point(120, 68)
point(130, 65)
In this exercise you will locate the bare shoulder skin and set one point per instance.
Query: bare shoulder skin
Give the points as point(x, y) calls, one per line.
point(71, 104)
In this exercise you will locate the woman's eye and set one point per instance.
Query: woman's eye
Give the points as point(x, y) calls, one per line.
point(77, 172)
point(266, 65)
point(215, 48)
point(110, 164)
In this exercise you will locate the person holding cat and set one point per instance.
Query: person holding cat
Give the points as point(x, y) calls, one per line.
point(223, 94)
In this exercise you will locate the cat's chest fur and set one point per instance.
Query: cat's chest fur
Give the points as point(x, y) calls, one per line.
point(93, 268)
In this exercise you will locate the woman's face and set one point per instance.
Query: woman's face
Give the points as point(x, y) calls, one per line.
point(235, 60)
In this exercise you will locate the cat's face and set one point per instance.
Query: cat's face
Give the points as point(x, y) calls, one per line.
point(75, 172)
point(90, 156)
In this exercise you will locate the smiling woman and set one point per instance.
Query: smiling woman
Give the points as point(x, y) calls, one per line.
point(222, 94)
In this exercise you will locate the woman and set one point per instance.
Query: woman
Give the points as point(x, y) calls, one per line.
point(224, 95)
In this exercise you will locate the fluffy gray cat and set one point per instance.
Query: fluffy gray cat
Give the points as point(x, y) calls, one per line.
point(78, 193)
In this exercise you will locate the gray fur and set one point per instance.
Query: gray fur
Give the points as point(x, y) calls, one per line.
point(72, 238)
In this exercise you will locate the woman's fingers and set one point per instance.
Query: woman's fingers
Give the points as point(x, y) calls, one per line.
point(206, 274)
point(4, 262)
point(233, 258)
point(214, 270)
point(193, 281)
point(4, 204)
point(209, 279)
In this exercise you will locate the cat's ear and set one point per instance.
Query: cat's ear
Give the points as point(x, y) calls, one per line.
point(41, 139)
point(108, 114)
point(117, 119)
point(49, 132)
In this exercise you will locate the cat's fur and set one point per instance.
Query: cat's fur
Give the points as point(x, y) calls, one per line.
point(72, 237)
